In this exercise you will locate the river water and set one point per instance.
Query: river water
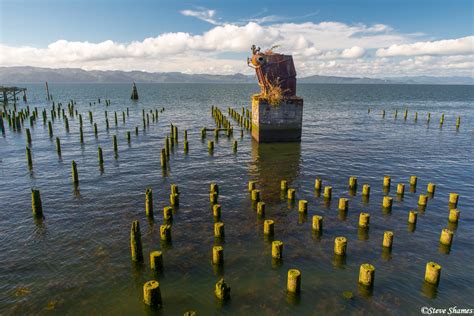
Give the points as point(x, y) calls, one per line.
point(77, 259)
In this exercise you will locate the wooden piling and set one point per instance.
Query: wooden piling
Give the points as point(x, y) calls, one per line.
point(261, 209)
point(366, 190)
point(255, 195)
point(219, 230)
point(422, 200)
point(217, 255)
point(431, 188)
point(28, 136)
point(29, 158)
point(318, 184)
point(222, 290)
point(343, 204)
point(165, 232)
point(386, 181)
point(453, 215)
point(291, 194)
point(317, 223)
point(352, 183)
point(413, 181)
point(327, 192)
point(136, 242)
point(100, 156)
point(432, 273)
point(216, 211)
point(277, 249)
point(387, 202)
point(167, 213)
point(36, 204)
point(156, 261)
point(387, 239)
point(446, 237)
point(294, 281)
point(340, 246)
point(75, 175)
point(151, 292)
point(412, 217)
point(453, 199)
point(302, 206)
point(400, 189)
point(58, 146)
point(367, 275)
point(149, 202)
point(364, 220)
point(268, 227)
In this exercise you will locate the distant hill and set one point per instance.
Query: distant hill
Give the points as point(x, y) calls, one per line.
point(19, 75)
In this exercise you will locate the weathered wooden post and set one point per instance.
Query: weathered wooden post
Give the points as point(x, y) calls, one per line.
point(36, 205)
point(136, 242)
point(75, 176)
point(149, 202)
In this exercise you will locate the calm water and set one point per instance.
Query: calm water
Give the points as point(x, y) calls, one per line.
point(77, 260)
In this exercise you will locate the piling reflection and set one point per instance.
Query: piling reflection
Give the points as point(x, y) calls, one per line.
point(273, 162)
point(363, 233)
point(365, 291)
point(339, 261)
point(429, 290)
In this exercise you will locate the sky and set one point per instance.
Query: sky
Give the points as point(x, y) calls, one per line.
point(357, 38)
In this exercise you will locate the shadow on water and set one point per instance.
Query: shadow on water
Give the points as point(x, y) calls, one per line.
point(272, 163)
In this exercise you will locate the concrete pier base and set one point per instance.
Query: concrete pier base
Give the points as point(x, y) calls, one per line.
point(277, 123)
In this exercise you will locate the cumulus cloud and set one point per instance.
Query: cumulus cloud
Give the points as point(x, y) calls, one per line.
point(326, 48)
point(460, 46)
point(353, 52)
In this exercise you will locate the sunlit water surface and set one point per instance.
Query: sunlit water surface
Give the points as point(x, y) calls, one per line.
point(77, 260)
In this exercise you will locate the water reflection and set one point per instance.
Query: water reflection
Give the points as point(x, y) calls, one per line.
point(272, 163)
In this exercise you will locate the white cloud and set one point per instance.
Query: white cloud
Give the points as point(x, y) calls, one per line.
point(202, 14)
point(326, 48)
point(353, 52)
point(460, 46)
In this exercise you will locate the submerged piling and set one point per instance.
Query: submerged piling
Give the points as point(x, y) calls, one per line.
point(149, 203)
point(156, 261)
point(136, 242)
point(294, 281)
point(75, 175)
point(217, 255)
point(268, 227)
point(367, 275)
point(432, 273)
point(152, 293)
point(277, 249)
point(36, 204)
point(29, 158)
point(340, 246)
point(387, 239)
point(446, 237)
point(222, 290)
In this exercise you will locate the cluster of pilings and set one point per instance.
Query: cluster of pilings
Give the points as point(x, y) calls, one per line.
point(244, 119)
point(366, 279)
point(222, 125)
point(26, 119)
point(151, 289)
point(171, 141)
point(415, 117)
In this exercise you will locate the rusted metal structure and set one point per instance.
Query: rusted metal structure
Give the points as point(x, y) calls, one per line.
point(277, 113)
point(272, 70)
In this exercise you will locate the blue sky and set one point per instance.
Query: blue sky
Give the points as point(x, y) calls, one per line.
point(326, 37)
